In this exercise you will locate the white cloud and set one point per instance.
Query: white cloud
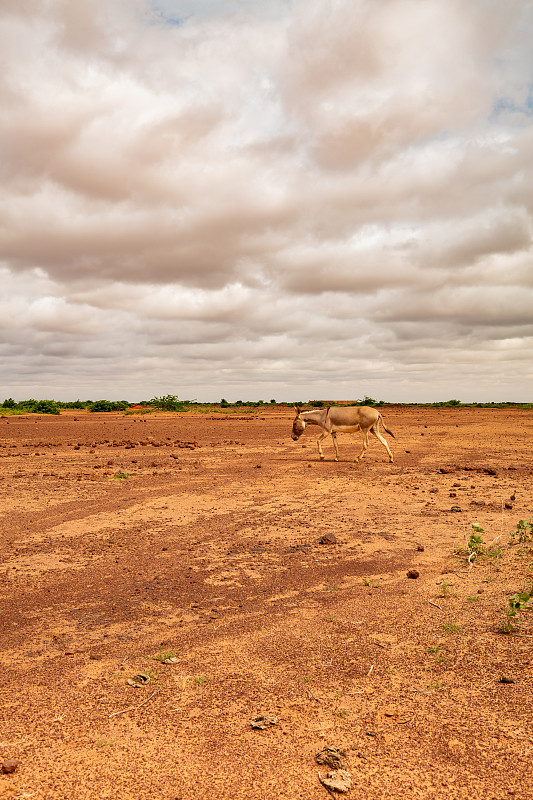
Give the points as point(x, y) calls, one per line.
point(240, 198)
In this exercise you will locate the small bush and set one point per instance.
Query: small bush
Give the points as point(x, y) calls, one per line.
point(38, 406)
point(523, 532)
point(520, 601)
point(108, 405)
point(169, 402)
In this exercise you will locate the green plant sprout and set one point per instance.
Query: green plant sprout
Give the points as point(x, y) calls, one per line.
point(522, 533)
point(520, 601)
point(449, 627)
point(476, 546)
point(165, 657)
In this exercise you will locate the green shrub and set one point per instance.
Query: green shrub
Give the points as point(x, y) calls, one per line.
point(169, 402)
point(108, 405)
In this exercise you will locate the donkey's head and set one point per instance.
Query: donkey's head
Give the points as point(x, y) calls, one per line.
point(298, 426)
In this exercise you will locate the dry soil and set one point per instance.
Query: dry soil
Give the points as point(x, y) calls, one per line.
point(273, 584)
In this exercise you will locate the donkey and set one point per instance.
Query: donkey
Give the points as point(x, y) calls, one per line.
point(342, 419)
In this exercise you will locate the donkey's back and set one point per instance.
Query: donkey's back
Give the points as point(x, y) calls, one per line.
point(351, 418)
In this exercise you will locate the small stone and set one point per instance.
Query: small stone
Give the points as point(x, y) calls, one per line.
point(10, 765)
point(331, 757)
point(503, 679)
point(420, 548)
point(264, 721)
point(328, 538)
point(413, 573)
point(338, 781)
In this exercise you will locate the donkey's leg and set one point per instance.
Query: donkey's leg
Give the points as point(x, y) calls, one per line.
point(334, 437)
point(320, 438)
point(365, 445)
point(375, 431)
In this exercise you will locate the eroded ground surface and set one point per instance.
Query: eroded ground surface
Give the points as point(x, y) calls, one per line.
point(127, 539)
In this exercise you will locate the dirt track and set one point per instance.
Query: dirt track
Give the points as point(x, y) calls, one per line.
point(128, 538)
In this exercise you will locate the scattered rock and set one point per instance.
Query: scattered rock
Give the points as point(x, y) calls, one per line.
point(456, 509)
point(9, 766)
point(328, 538)
point(264, 721)
point(503, 679)
point(139, 680)
point(413, 573)
point(338, 781)
point(331, 757)
point(420, 548)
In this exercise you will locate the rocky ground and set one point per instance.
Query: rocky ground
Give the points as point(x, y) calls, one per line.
point(165, 580)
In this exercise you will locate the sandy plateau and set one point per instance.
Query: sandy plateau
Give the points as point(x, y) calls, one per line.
point(195, 539)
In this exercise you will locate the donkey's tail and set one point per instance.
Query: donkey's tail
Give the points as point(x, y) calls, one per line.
point(385, 428)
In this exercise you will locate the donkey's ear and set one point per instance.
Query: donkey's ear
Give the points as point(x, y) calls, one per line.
point(297, 410)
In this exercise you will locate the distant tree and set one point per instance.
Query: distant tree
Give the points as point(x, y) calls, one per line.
point(108, 405)
point(9, 403)
point(39, 406)
point(73, 403)
point(169, 402)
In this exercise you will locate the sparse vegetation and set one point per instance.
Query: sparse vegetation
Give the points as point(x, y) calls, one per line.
point(170, 402)
point(519, 601)
point(476, 546)
point(450, 627)
point(108, 405)
point(523, 532)
point(165, 656)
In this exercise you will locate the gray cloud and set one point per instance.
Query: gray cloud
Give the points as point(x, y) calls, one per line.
point(213, 197)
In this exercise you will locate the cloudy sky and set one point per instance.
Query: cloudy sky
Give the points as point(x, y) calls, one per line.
point(266, 199)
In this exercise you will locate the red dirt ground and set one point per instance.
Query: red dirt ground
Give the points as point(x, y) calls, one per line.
point(125, 539)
